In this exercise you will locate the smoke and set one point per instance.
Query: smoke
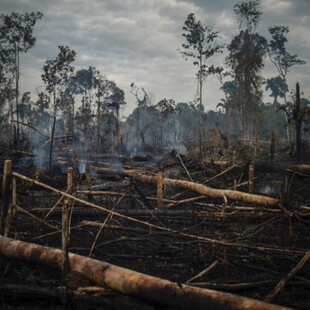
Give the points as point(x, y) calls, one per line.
point(267, 190)
point(82, 167)
point(40, 148)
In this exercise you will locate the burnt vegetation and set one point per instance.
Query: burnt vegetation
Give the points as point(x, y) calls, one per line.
point(213, 200)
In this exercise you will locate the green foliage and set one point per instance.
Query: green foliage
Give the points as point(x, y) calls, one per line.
point(116, 98)
point(248, 15)
point(16, 36)
point(278, 88)
point(246, 53)
point(166, 107)
point(57, 72)
point(17, 30)
point(200, 44)
point(278, 54)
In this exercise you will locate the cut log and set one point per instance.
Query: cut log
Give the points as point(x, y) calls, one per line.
point(153, 226)
point(195, 187)
point(160, 177)
point(26, 291)
point(281, 167)
point(251, 179)
point(291, 274)
point(7, 170)
point(130, 282)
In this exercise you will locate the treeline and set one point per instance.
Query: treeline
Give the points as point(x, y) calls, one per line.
point(81, 109)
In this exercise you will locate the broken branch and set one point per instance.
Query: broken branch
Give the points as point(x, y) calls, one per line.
point(196, 187)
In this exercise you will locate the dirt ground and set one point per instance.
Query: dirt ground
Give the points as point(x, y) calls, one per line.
point(272, 241)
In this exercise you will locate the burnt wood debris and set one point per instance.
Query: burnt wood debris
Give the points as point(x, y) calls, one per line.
point(168, 206)
point(171, 232)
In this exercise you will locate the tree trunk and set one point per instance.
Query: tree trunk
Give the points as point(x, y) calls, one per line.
point(17, 90)
point(137, 146)
point(7, 171)
point(53, 132)
point(287, 125)
point(200, 106)
point(196, 187)
point(298, 122)
point(98, 123)
point(117, 141)
point(281, 167)
point(130, 282)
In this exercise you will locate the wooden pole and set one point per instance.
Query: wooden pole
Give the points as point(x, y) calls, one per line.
point(66, 212)
point(160, 190)
point(251, 179)
point(11, 209)
point(133, 283)
point(88, 180)
point(7, 171)
point(298, 123)
point(196, 187)
point(287, 183)
point(150, 225)
point(65, 240)
point(291, 274)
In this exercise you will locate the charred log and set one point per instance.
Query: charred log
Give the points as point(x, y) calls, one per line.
point(196, 187)
point(130, 282)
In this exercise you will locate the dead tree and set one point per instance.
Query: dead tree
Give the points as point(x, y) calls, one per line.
point(130, 282)
point(196, 187)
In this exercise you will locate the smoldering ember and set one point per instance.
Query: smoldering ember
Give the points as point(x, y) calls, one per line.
point(173, 208)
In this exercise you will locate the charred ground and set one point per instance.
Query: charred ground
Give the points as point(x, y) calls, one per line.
point(261, 244)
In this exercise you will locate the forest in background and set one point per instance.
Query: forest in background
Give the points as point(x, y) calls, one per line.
point(80, 109)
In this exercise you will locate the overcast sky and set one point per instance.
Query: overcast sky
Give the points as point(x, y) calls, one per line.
point(137, 41)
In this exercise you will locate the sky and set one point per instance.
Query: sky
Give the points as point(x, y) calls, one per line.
point(138, 41)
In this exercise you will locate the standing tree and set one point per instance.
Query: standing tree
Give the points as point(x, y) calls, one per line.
point(278, 88)
point(40, 111)
point(246, 52)
point(85, 83)
point(300, 114)
point(56, 76)
point(6, 81)
point(166, 107)
point(200, 45)
point(25, 108)
point(282, 60)
point(298, 117)
point(229, 104)
point(16, 32)
point(141, 103)
point(102, 86)
point(115, 101)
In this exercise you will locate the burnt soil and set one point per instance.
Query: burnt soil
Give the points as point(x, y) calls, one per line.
point(243, 271)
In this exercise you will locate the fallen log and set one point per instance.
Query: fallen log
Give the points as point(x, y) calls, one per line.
point(26, 291)
point(130, 282)
point(153, 226)
point(192, 201)
point(30, 126)
point(291, 274)
point(195, 187)
point(231, 287)
point(281, 167)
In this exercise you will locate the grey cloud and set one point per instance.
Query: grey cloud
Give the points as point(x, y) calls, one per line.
point(210, 5)
point(137, 40)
